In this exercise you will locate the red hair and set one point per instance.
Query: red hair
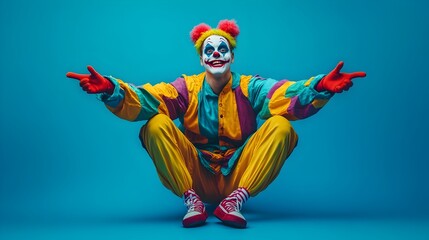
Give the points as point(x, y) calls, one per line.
point(226, 28)
point(198, 30)
point(230, 27)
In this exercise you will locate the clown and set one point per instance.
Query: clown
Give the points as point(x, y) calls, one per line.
point(216, 57)
point(218, 154)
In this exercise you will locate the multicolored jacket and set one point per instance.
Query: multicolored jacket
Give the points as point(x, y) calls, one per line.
point(218, 125)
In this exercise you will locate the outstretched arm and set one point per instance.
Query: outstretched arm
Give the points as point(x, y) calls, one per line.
point(337, 81)
point(130, 102)
point(297, 99)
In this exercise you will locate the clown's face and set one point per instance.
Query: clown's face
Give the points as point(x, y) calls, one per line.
point(216, 56)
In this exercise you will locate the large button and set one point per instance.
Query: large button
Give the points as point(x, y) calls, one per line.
point(221, 116)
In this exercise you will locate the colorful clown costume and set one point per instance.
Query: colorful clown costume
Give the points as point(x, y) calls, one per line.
point(218, 152)
point(217, 130)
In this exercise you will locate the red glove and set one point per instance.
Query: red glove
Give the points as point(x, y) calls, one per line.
point(336, 81)
point(94, 82)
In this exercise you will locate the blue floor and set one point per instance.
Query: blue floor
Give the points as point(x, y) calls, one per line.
point(167, 225)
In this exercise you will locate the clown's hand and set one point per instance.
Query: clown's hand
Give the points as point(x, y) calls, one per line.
point(336, 81)
point(94, 82)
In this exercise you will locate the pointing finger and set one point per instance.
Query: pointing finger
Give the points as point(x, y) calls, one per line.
point(76, 75)
point(357, 74)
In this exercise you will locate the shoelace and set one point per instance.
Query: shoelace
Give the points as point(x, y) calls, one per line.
point(235, 200)
point(194, 204)
point(233, 204)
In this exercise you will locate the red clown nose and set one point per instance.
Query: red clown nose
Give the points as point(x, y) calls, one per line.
point(216, 54)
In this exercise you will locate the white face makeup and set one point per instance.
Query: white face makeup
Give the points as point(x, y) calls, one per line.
point(216, 56)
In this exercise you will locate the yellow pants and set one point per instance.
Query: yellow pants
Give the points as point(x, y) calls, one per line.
point(179, 168)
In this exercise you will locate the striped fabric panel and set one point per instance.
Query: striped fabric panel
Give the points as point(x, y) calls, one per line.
point(149, 104)
point(114, 100)
point(275, 87)
point(297, 111)
point(171, 103)
point(230, 119)
point(276, 103)
point(208, 114)
point(319, 103)
point(296, 100)
point(246, 115)
point(183, 97)
point(132, 103)
point(258, 90)
point(244, 84)
point(190, 120)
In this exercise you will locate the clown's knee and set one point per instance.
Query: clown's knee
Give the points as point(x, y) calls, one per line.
point(156, 124)
point(155, 127)
point(279, 127)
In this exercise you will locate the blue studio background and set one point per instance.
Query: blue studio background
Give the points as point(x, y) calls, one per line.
point(69, 169)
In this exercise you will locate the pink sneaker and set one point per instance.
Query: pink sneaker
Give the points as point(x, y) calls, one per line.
point(228, 210)
point(196, 215)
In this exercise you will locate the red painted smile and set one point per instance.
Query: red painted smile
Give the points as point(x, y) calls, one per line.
point(216, 63)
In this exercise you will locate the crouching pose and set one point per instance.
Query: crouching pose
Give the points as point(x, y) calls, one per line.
point(218, 154)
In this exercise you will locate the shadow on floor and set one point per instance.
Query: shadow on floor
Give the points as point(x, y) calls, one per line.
point(252, 214)
point(258, 214)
